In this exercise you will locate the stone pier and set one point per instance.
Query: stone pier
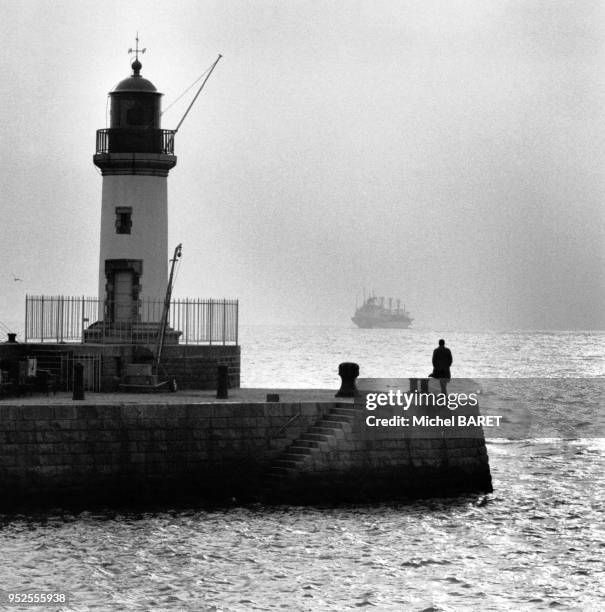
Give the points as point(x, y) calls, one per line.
point(188, 446)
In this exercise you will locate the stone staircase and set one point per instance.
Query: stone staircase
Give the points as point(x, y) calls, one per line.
point(305, 452)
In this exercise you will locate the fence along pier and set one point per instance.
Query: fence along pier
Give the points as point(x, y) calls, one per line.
point(200, 335)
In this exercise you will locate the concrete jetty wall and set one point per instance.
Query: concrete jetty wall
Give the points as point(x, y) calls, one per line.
point(80, 453)
point(132, 451)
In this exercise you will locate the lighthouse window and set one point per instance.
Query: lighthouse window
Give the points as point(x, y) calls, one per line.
point(136, 114)
point(123, 219)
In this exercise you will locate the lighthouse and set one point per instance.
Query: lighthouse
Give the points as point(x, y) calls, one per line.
point(135, 156)
point(133, 335)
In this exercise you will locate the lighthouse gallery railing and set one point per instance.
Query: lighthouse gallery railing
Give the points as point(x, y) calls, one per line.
point(74, 319)
point(122, 140)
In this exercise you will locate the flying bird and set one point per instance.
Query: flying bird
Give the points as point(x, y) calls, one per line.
point(17, 280)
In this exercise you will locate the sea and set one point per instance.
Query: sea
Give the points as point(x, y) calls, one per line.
point(536, 543)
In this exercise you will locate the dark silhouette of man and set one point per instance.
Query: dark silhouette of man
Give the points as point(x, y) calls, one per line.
point(442, 360)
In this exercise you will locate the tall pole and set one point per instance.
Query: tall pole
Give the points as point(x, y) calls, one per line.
point(164, 321)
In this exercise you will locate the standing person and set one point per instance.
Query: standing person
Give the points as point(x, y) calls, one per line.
point(442, 360)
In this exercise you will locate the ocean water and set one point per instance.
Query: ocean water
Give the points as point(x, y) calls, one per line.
point(536, 543)
point(309, 356)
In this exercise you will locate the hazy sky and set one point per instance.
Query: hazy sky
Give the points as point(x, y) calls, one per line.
point(448, 152)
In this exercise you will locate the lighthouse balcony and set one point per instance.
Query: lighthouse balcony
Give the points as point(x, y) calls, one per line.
point(135, 140)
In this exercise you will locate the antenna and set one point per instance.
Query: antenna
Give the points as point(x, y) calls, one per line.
point(136, 49)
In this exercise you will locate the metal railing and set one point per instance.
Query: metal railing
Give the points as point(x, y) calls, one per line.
point(137, 140)
point(102, 142)
point(85, 319)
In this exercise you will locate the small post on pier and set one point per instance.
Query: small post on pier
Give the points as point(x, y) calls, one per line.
point(348, 372)
point(222, 386)
point(78, 382)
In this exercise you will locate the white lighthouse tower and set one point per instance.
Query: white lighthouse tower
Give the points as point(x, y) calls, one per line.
point(135, 156)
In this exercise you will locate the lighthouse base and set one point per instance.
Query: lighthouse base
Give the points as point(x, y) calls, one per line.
point(105, 365)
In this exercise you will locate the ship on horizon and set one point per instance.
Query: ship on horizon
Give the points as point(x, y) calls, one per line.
point(374, 314)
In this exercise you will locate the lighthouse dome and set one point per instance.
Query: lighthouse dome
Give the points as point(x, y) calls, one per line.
point(135, 82)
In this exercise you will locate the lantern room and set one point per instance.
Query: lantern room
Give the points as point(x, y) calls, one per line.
point(135, 124)
point(135, 102)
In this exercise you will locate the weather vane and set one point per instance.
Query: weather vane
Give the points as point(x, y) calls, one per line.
point(136, 50)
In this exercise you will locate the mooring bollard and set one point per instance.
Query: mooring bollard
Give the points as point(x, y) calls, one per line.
point(348, 372)
point(413, 385)
point(424, 385)
point(78, 382)
point(273, 397)
point(222, 384)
